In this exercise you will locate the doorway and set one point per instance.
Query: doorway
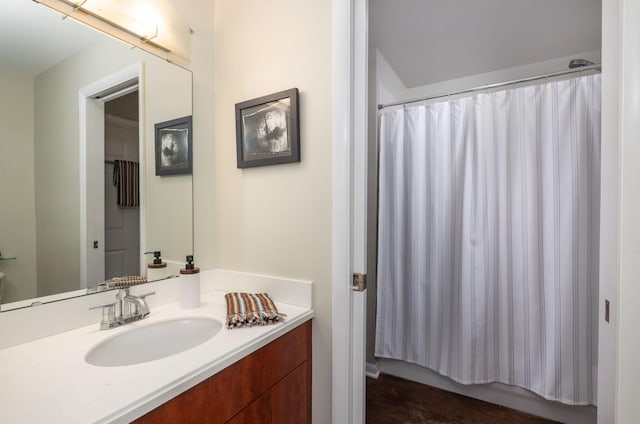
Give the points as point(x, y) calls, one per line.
point(392, 81)
point(94, 174)
point(121, 184)
point(349, 28)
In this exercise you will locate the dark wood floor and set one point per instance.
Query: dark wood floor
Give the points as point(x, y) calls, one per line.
point(397, 401)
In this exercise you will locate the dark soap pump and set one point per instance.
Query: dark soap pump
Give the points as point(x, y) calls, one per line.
point(189, 268)
point(157, 261)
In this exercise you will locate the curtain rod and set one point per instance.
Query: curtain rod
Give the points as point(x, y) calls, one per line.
point(596, 66)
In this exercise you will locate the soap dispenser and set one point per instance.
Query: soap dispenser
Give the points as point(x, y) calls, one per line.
point(156, 270)
point(189, 285)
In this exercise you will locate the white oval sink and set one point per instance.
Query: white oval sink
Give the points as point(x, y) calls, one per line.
point(154, 341)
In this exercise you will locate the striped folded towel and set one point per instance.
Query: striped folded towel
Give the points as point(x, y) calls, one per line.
point(126, 176)
point(246, 310)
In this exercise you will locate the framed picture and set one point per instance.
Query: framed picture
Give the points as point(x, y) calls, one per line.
point(267, 130)
point(173, 147)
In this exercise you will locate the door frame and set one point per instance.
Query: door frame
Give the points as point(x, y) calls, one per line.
point(91, 158)
point(349, 188)
point(342, 124)
point(349, 27)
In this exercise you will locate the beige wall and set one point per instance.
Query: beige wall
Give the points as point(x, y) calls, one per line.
point(168, 199)
point(17, 209)
point(277, 219)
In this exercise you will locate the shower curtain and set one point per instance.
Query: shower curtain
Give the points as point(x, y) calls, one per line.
point(488, 237)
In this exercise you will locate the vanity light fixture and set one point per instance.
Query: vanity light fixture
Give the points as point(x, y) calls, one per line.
point(148, 17)
point(152, 25)
point(137, 17)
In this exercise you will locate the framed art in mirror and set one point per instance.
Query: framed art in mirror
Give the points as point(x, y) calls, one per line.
point(173, 147)
point(268, 130)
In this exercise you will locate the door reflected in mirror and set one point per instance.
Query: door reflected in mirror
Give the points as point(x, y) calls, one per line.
point(79, 199)
point(121, 186)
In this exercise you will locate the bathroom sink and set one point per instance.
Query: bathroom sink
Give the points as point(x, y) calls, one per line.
point(153, 341)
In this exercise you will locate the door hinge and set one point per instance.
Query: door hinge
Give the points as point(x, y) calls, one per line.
point(359, 282)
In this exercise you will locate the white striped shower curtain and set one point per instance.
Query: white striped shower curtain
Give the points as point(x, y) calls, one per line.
point(488, 237)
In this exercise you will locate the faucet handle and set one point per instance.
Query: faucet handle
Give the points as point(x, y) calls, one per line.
point(105, 306)
point(108, 315)
point(139, 303)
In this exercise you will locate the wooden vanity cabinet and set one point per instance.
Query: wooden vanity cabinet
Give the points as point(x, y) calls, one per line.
point(270, 386)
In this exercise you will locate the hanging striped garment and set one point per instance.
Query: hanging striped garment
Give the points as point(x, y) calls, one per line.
point(246, 310)
point(125, 177)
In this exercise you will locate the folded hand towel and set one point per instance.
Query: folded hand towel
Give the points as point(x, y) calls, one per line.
point(246, 310)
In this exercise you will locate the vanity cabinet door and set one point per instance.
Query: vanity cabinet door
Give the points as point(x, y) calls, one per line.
point(258, 412)
point(290, 399)
point(285, 403)
point(272, 385)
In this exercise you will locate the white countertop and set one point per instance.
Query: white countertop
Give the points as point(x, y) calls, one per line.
point(47, 380)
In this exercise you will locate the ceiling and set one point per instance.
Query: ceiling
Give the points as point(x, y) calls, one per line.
point(428, 41)
point(33, 37)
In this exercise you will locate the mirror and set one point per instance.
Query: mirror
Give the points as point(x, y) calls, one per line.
point(76, 104)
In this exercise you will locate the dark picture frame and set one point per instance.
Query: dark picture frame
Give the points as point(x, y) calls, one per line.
point(174, 154)
point(268, 130)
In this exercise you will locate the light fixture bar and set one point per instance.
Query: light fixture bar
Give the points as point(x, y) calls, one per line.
point(147, 38)
point(78, 4)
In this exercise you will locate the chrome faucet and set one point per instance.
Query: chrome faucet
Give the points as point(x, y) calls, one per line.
point(127, 308)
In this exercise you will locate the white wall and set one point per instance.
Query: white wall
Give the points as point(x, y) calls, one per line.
point(384, 87)
point(391, 87)
point(17, 208)
point(277, 219)
point(168, 199)
point(388, 87)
